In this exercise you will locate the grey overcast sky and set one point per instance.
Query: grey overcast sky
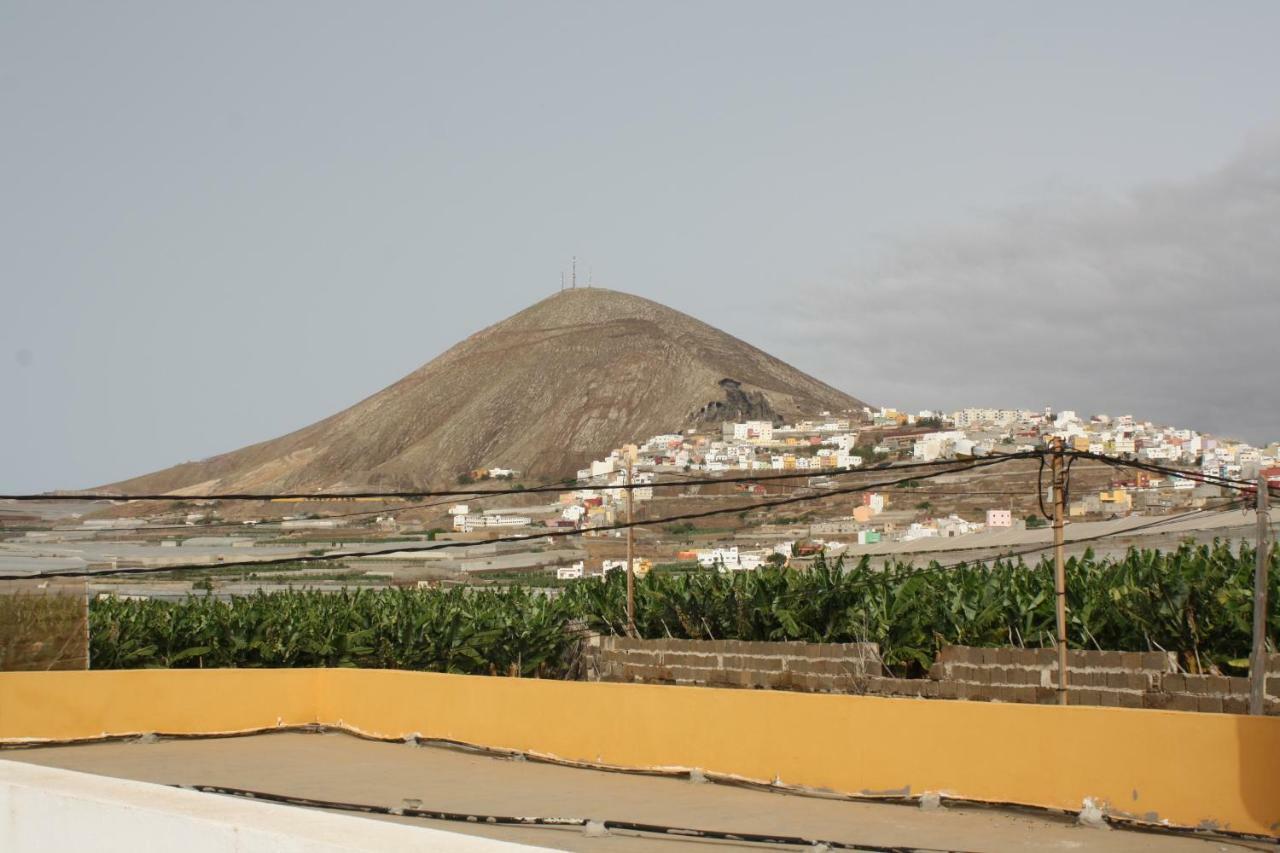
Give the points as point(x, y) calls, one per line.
point(222, 221)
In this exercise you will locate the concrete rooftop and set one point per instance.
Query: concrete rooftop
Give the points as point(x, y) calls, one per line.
point(335, 766)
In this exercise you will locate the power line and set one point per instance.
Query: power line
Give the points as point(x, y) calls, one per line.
point(482, 495)
point(554, 487)
point(1225, 506)
point(1152, 467)
point(934, 567)
point(938, 568)
point(308, 558)
point(347, 555)
point(239, 525)
point(568, 485)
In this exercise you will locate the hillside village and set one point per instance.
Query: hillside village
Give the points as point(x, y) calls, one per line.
point(828, 444)
point(697, 471)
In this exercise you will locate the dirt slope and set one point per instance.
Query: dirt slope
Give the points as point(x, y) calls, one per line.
point(543, 391)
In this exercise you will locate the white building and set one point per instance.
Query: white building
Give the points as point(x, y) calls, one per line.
point(936, 445)
point(954, 525)
point(844, 459)
point(722, 557)
point(919, 531)
point(467, 523)
point(566, 573)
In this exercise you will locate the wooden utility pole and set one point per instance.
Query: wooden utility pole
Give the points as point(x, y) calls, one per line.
point(1258, 660)
point(1060, 565)
point(631, 566)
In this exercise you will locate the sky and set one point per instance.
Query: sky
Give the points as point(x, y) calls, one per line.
point(222, 222)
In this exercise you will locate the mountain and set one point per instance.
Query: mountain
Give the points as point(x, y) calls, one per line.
point(544, 391)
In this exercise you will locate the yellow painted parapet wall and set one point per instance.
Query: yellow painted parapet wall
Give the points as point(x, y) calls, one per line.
point(1183, 768)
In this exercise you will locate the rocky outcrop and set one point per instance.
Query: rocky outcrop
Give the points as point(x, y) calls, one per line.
point(737, 405)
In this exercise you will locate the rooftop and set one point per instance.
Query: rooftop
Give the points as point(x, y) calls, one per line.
point(339, 767)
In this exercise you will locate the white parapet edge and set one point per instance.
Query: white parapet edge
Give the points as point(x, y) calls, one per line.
point(50, 810)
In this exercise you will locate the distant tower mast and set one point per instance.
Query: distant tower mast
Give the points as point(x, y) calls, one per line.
point(562, 279)
point(575, 272)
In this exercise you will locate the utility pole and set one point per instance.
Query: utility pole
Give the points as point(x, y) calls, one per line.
point(631, 566)
point(1060, 566)
point(1258, 660)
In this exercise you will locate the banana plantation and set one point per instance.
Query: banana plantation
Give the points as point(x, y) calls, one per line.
point(1196, 601)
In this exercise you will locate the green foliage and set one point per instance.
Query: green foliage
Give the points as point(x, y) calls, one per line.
point(509, 632)
point(1034, 521)
point(1195, 601)
point(868, 454)
point(680, 566)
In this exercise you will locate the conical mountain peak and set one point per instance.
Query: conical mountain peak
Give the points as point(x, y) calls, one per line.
point(543, 391)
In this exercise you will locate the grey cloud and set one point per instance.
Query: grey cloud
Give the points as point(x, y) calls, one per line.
point(1164, 303)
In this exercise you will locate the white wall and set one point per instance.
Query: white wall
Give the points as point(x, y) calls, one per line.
point(48, 810)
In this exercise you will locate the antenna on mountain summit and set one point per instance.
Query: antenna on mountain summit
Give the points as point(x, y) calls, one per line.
point(575, 272)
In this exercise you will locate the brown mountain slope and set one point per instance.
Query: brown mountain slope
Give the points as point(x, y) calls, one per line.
point(544, 391)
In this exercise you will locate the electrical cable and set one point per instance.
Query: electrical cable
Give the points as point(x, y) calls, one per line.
point(240, 525)
point(1040, 489)
point(935, 568)
point(197, 529)
point(550, 534)
point(1226, 506)
point(1151, 467)
point(428, 493)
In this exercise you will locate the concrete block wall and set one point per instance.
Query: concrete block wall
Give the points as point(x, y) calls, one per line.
point(1119, 679)
point(1219, 693)
point(1116, 679)
point(841, 667)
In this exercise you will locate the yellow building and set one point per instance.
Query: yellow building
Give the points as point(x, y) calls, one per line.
point(1117, 500)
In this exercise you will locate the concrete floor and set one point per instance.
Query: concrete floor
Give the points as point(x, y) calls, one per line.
point(335, 766)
